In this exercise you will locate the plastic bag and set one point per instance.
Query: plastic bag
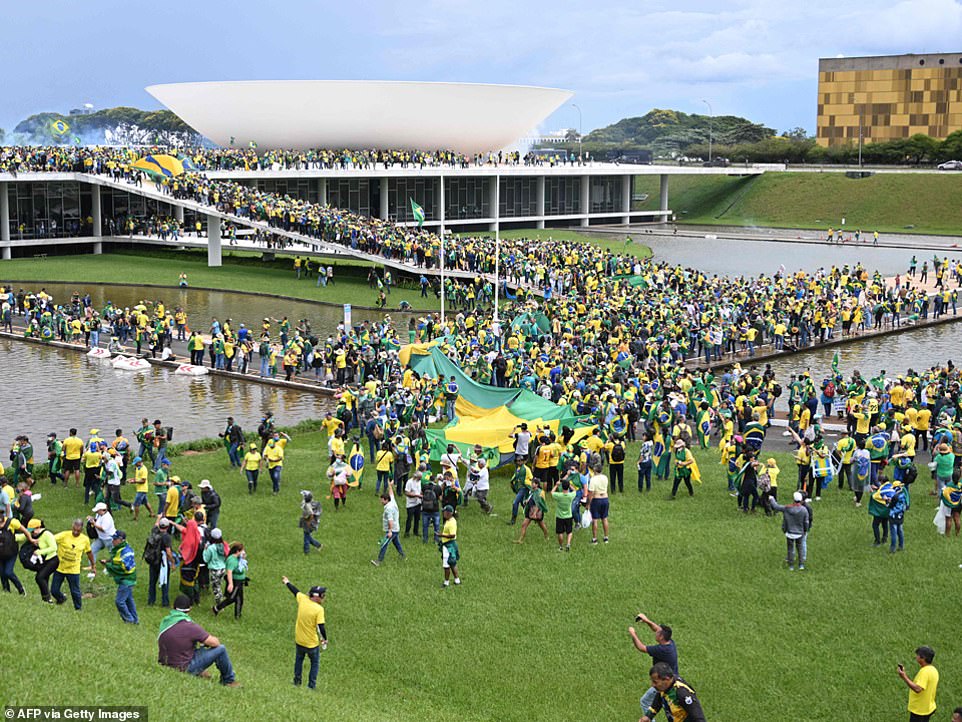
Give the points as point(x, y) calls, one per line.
point(939, 520)
point(585, 518)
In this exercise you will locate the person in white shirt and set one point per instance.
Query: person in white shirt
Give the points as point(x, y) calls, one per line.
point(450, 460)
point(412, 504)
point(522, 442)
point(391, 524)
point(479, 481)
point(598, 502)
point(115, 477)
point(103, 522)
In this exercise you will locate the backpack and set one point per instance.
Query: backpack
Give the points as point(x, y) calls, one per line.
point(154, 547)
point(829, 390)
point(8, 544)
point(27, 552)
point(429, 498)
point(911, 474)
point(618, 452)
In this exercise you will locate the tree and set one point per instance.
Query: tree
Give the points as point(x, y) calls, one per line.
point(797, 133)
point(951, 147)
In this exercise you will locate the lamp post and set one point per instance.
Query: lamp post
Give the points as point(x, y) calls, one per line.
point(580, 129)
point(711, 117)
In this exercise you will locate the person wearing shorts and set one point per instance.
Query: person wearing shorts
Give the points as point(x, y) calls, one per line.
point(450, 553)
point(563, 522)
point(598, 502)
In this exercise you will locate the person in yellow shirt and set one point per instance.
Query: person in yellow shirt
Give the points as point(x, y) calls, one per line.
point(252, 466)
point(172, 500)
point(274, 456)
point(921, 428)
point(92, 460)
point(73, 449)
point(310, 634)
point(922, 689)
point(331, 424)
point(141, 488)
point(383, 460)
point(71, 546)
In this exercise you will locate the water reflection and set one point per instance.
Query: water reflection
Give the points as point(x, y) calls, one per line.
point(50, 389)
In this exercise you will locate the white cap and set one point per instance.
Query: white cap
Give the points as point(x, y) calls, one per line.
point(100, 506)
point(798, 496)
point(205, 484)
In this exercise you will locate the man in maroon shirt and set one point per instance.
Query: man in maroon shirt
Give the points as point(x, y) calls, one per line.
point(178, 640)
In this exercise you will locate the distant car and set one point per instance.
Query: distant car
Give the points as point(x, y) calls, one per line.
point(951, 165)
point(717, 163)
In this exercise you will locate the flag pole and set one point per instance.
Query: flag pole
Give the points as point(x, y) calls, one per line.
point(497, 258)
point(442, 278)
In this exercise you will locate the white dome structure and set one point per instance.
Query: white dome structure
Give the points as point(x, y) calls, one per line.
point(466, 117)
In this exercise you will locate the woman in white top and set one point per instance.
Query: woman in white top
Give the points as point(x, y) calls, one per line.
point(598, 502)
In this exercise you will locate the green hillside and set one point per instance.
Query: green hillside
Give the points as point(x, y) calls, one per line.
point(913, 202)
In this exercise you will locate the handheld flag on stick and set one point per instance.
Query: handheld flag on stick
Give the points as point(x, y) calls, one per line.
point(835, 360)
point(252, 144)
point(418, 213)
point(232, 140)
point(60, 127)
point(77, 140)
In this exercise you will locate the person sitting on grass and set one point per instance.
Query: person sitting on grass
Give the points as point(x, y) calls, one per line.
point(186, 646)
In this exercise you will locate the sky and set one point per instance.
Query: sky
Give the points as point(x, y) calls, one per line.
point(753, 58)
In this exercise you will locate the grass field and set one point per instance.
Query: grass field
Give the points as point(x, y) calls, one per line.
point(909, 202)
point(532, 634)
point(242, 271)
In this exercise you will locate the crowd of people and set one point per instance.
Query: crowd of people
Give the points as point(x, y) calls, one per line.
point(68, 158)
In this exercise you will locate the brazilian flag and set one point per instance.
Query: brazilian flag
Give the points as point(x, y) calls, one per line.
point(60, 127)
point(417, 212)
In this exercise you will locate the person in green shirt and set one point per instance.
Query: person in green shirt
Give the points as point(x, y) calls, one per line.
point(160, 482)
point(236, 566)
point(563, 523)
point(55, 459)
point(122, 568)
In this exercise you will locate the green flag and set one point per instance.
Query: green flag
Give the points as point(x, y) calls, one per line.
point(629, 240)
point(418, 213)
point(835, 360)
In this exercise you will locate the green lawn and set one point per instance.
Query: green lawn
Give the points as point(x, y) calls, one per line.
point(532, 634)
point(909, 202)
point(616, 245)
point(242, 271)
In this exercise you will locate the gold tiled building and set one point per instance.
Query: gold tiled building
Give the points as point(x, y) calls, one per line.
point(889, 96)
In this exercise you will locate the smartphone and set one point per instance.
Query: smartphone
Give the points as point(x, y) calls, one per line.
point(901, 667)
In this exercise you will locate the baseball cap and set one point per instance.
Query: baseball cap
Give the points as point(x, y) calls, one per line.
point(137, 459)
point(34, 524)
point(216, 534)
point(119, 534)
point(164, 522)
point(100, 506)
point(798, 496)
point(449, 508)
point(317, 591)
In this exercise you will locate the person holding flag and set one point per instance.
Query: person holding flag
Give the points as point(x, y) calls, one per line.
point(418, 213)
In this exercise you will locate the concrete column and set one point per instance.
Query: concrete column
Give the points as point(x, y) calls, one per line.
point(663, 203)
point(213, 242)
point(627, 185)
point(585, 206)
point(95, 212)
point(98, 248)
point(494, 200)
point(383, 197)
point(6, 253)
point(179, 215)
point(322, 191)
point(539, 202)
point(441, 213)
point(4, 213)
